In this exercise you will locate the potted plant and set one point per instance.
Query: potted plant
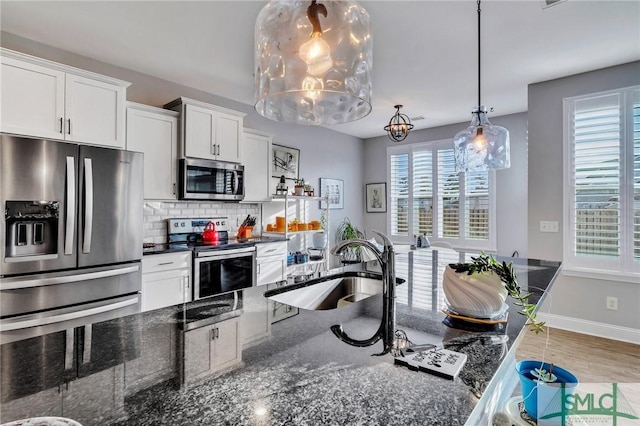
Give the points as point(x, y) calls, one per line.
point(299, 187)
point(348, 231)
point(544, 387)
point(308, 189)
point(494, 279)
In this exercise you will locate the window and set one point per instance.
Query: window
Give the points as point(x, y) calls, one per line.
point(428, 197)
point(603, 182)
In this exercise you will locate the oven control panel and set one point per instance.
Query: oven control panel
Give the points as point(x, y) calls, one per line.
point(196, 225)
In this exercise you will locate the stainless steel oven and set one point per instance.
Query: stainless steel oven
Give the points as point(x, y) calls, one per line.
point(223, 270)
point(211, 180)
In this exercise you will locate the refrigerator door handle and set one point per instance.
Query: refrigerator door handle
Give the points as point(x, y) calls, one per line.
point(35, 322)
point(27, 282)
point(71, 206)
point(88, 210)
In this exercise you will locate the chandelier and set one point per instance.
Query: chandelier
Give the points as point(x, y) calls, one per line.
point(399, 126)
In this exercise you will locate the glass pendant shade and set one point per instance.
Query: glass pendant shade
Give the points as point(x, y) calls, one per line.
point(481, 146)
point(313, 62)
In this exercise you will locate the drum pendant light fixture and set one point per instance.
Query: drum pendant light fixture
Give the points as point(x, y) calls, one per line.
point(399, 126)
point(482, 145)
point(313, 62)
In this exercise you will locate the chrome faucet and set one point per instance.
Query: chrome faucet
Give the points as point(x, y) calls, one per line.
point(386, 259)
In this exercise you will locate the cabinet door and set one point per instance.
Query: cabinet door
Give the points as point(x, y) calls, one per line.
point(228, 135)
point(40, 404)
point(91, 399)
point(271, 270)
point(256, 158)
point(156, 135)
point(256, 317)
point(94, 112)
point(32, 99)
point(227, 347)
point(164, 289)
point(198, 353)
point(157, 361)
point(199, 132)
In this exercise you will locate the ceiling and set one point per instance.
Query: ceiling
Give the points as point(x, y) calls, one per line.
point(424, 51)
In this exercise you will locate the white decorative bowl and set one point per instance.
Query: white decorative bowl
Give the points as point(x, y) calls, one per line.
point(480, 295)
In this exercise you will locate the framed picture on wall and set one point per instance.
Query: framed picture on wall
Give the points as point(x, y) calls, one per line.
point(285, 161)
point(376, 196)
point(334, 190)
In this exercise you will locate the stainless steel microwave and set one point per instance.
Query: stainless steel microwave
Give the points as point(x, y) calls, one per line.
point(210, 180)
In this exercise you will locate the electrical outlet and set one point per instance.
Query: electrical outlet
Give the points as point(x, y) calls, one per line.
point(549, 226)
point(612, 303)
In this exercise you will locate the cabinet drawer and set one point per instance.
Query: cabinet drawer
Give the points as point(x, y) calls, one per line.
point(166, 261)
point(271, 249)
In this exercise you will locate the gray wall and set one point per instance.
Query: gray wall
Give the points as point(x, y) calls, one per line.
point(573, 297)
point(323, 152)
point(511, 183)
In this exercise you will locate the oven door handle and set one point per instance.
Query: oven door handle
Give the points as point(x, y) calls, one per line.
point(225, 253)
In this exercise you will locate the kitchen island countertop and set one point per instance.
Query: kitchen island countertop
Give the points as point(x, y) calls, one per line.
point(303, 375)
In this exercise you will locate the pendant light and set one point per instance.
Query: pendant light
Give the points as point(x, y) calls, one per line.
point(313, 62)
point(399, 126)
point(482, 145)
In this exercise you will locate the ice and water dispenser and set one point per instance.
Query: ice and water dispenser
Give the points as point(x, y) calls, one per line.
point(31, 228)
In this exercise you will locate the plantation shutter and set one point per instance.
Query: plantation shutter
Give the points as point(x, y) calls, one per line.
point(448, 195)
point(476, 205)
point(603, 177)
point(399, 194)
point(423, 193)
point(636, 176)
point(597, 177)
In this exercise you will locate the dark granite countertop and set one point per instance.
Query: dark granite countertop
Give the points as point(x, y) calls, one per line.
point(303, 375)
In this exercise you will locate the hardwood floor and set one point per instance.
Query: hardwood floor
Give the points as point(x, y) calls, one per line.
point(591, 359)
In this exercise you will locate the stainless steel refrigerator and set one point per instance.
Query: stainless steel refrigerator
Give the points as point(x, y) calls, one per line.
point(71, 235)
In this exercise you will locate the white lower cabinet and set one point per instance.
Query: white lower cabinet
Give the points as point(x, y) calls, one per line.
point(256, 316)
point(271, 261)
point(157, 358)
point(210, 349)
point(166, 280)
point(70, 399)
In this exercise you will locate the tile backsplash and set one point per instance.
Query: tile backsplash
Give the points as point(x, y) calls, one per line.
point(156, 214)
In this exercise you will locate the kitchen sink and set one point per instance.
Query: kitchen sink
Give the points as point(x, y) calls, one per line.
point(331, 291)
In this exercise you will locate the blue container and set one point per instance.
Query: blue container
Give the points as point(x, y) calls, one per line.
point(541, 395)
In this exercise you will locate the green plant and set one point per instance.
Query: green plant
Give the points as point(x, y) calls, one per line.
point(504, 270)
point(348, 231)
point(543, 375)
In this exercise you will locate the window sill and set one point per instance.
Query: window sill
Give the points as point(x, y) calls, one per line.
point(601, 275)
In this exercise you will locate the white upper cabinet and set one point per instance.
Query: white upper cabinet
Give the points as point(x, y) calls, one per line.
point(209, 131)
point(154, 131)
point(32, 99)
point(256, 158)
point(45, 99)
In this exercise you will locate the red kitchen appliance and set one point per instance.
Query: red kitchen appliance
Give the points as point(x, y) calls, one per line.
point(210, 235)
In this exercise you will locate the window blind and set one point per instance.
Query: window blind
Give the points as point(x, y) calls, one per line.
point(448, 195)
point(399, 194)
point(423, 193)
point(603, 176)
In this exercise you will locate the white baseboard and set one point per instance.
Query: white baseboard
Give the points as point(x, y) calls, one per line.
point(592, 328)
